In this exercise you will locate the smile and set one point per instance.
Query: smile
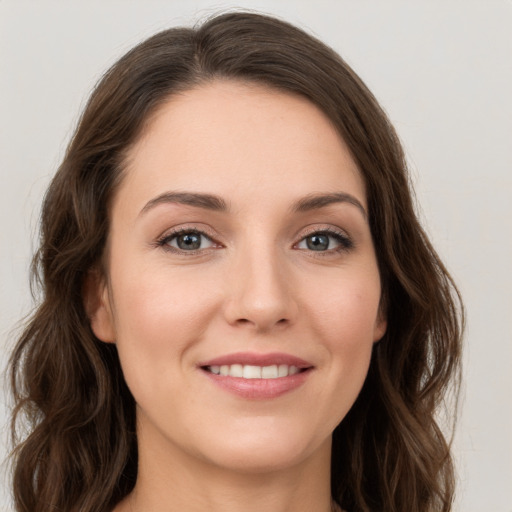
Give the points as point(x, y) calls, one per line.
point(248, 371)
point(257, 376)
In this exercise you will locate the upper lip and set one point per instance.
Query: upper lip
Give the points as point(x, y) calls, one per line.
point(255, 359)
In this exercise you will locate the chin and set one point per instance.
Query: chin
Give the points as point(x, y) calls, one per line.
point(265, 452)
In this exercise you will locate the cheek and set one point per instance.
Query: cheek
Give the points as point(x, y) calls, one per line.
point(155, 299)
point(346, 309)
point(158, 319)
point(344, 317)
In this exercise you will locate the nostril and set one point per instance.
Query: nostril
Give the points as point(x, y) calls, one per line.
point(246, 321)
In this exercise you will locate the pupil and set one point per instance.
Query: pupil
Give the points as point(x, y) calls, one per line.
point(189, 241)
point(318, 242)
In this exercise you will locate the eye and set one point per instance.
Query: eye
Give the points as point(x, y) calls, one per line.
point(188, 240)
point(322, 241)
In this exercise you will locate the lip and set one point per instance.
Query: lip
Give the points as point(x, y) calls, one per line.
point(256, 359)
point(258, 389)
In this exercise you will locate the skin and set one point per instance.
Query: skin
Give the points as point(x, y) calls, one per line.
point(252, 286)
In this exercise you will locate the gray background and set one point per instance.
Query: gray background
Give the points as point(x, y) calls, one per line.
point(441, 69)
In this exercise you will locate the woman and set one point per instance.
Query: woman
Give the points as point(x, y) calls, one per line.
point(241, 310)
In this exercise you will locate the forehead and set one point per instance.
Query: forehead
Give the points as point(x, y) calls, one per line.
point(240, 139)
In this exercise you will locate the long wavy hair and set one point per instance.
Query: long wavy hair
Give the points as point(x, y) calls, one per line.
point(75, 445)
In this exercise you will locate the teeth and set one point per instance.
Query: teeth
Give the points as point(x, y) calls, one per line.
point(269, 372)
point(248, 371)
point(251, 372)
point(293, 370)
point(236, 370)
point(282, 371)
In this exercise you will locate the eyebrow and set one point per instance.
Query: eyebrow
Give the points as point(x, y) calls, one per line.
point(199, 200)
point(216, 203)
point(316, 201)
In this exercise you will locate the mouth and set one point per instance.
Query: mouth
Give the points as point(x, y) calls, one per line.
point(257, 376)
point(249, 371)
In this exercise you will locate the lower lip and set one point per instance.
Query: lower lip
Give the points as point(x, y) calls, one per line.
point(259, 389)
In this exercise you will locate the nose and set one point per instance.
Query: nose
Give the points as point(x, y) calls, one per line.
point(260, 294)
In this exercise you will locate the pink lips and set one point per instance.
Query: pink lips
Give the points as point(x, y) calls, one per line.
point(258, 389)
point(258, 360)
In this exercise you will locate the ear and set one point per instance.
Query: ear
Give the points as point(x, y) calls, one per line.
point(381, 324)
point(98, 307)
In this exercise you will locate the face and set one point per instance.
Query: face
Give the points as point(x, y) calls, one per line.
point(242, 287)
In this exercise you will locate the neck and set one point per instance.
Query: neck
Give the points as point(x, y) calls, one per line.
point(171, 481)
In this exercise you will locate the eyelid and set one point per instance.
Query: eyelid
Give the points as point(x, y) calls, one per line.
point(343, 238)
point(169, 234)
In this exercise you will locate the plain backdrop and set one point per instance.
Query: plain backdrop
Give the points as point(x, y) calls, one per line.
point(441, 69)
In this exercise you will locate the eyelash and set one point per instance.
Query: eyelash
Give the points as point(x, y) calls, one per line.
point(164, 241)
point(345, 243)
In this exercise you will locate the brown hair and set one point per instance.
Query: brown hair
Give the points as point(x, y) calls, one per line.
point(80, 452)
